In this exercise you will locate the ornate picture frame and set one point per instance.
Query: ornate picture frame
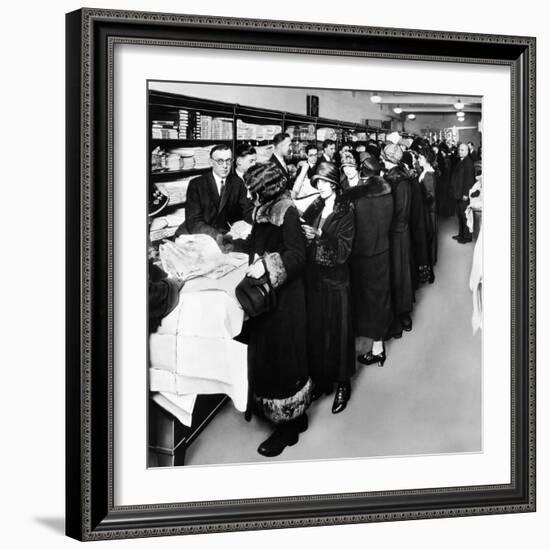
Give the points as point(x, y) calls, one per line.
point(90, 510)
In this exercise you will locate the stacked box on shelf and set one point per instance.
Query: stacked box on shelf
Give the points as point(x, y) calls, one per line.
point(183, 123)
point(164, 129)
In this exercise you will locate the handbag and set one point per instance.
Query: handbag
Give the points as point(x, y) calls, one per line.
point(256, 296)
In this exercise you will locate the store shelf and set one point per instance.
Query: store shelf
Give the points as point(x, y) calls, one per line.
point(181, 143)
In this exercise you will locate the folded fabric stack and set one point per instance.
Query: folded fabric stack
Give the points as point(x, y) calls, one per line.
point(194, 351)
point(257, 132)
point(194, 157)
point(192, 256)
point(176, 191)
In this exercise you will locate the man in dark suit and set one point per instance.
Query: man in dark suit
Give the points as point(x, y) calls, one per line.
point(245, 157)
point(472, 151)
point(329, 152)
point(462, 179)
point(281, 144)
point(216, 199)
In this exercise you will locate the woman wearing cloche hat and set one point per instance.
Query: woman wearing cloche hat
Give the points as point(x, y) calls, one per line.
point(329, 229)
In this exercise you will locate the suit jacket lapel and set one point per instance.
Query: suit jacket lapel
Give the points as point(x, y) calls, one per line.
point(213, 188)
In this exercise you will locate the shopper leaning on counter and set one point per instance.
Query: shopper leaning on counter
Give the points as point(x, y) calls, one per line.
point(216, 199)
point(329, 228)
point(277, 353)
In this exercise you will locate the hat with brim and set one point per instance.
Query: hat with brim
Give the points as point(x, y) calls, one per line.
point(326, 171)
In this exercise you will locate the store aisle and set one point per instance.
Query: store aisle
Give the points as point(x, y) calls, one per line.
point(426, 399)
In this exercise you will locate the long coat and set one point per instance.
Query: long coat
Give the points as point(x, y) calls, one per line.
point(417, 226)
point(428, 184)
point(277, 351)
point(207, 212)
point(445, 195)
point(462, 177)
point(400, 243)
point(331, 342)
point(370, 257)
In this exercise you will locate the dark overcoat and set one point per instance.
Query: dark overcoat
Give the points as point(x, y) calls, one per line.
point(428, 185)
point(331, 342)
point(417, 227)
point(400, 243)
point(370, 257)
point(277, 351)
point(462, 177)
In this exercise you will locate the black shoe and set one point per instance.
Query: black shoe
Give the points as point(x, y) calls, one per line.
point(283, 436)
point(465, 240)
point(369, 358)
point(457, 237)
point(343, 393)
point(406, 322)
point(431, 278)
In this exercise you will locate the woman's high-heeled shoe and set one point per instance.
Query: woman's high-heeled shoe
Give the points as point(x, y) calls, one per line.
point(370, 358)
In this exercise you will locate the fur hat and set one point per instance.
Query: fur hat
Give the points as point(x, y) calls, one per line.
point(392, 153)
point(370, 166)
point(326, 171)
point(266, 181)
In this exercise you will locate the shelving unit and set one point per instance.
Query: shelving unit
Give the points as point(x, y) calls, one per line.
point(192, 118)
point(166, 106)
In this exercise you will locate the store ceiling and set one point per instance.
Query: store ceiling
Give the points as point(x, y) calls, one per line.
point(429, 103)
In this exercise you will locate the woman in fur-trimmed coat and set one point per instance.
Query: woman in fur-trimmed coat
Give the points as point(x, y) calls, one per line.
point(277, 353)
point(329, 228)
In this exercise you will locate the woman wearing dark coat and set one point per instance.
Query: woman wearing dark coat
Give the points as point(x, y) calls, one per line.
point(428, 183)
point(277, 353)
point(417, 225)
point(370, 259)
point(398, 176)
point(329, 228)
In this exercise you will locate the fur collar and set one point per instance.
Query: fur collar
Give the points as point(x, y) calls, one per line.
point(273, 211)
point(342, 204)
point(397, 173)
point(373, 186)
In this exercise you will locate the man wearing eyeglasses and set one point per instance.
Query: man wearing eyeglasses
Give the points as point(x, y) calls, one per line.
point(217, 199)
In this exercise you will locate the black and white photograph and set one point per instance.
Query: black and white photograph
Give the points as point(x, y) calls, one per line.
point(315, 277)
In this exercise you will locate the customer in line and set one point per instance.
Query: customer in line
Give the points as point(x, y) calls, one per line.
point(277, 353)
point(462, 180)
point(329, 229)
point(370, 258)
point(398, 178)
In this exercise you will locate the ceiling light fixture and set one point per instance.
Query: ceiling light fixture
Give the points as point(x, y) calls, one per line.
point(397, 110)
point(375, 98)
point(411, 116)
point(459, 105)
point(460, 113)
